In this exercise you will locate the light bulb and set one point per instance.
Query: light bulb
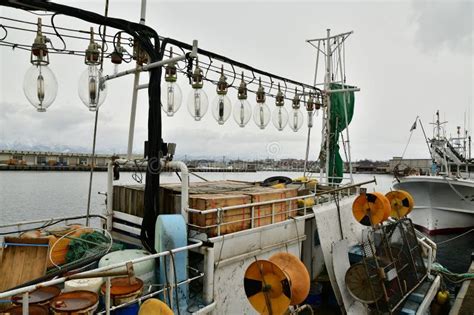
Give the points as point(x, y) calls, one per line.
point(221, 108)
point(92, 88)
point(261, 115)
point(242, 109)
point(296, 121)
point(310, 119)
point(280, 114)
point(197, 103)
point(280, 118)
point(40, 87)
point(171, 97)
point(242, 112)
point(296, 116)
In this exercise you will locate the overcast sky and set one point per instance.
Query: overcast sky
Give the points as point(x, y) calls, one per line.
point(410, 58)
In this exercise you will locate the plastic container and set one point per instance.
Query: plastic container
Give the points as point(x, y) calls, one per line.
point(144, 270)
point(315, 294)
point(122, 290)
point(90, 284)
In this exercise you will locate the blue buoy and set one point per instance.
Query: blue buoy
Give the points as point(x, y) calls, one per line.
point(171, 232)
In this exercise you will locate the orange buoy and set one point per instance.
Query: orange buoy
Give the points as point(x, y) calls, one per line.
point(296, 272)
point(371, 208)
point(154, 307)
point(401, 203)
point(267, 288)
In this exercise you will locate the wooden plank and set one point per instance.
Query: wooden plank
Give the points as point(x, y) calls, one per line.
point(211, 201)
point(126, 228)
point(263, 213)
point(127, 217)
point(22, 263)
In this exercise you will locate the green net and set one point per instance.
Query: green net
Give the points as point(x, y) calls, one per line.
point(337, 124)
point(86, 245)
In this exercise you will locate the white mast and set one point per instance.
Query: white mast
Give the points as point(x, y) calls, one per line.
point(329, 77)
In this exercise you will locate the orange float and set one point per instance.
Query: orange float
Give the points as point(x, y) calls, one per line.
point(371, 208)
point(401, 203)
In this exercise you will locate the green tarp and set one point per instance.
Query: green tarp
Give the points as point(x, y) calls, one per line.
point(337, 124)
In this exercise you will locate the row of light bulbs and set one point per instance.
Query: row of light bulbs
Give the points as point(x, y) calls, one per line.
point(40, 87)
point(197, 103)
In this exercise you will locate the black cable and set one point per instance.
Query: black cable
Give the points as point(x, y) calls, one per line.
point(6, 32)
point(57, 34)
point(167, 283)
point(175, 283)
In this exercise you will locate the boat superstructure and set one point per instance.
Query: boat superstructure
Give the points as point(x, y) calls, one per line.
point(199, 240)
point(444, 198)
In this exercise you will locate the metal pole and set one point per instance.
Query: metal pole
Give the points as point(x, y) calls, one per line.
point(136, 80)
point(25, 303)
point(110, 195)
point(327, 80)
point(345, 114)
point(107, 296)
point(133, 111)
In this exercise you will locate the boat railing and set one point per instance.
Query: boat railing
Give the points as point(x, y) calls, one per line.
point(25, 226)
point(24, 291)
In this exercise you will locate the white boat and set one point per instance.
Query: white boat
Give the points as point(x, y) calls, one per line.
point(444, 200)
point(204, 264)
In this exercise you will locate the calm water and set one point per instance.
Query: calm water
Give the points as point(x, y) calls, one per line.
point(35, 195)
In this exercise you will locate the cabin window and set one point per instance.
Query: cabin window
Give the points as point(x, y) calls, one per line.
point(41, 159)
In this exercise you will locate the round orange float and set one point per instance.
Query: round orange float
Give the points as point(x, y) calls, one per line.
point(401, 203)
point(371, 208)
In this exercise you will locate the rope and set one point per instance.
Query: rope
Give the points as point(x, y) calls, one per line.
point(454, 238)
point(94, 140)
point(456, 191)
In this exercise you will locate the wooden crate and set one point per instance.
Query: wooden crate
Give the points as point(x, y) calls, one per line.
point(263, 213)
point(129, 199)
point(212, 201)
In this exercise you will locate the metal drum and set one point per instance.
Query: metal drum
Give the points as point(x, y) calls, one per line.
point(40, 296)
point(76, 302)
point(32, 310)
point(123, 290)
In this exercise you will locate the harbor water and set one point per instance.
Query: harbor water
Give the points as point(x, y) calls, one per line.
point(35, 195)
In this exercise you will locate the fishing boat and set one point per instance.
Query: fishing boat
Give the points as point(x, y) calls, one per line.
point(214, 247)
point(445, 197)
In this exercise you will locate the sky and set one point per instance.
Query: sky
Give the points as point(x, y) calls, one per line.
point(409, 58)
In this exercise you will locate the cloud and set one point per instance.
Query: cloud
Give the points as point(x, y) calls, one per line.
point(444, 25)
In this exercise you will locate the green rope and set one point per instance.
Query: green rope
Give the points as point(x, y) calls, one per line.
point(451, 276)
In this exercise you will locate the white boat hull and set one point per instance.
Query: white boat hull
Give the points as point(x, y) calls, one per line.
point(442, 205)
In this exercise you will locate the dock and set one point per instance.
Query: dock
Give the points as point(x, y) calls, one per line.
point(464, 303)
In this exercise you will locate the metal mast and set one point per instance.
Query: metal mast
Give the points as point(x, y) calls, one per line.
point(332, 48)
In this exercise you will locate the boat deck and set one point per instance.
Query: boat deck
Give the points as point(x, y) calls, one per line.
point(464, 303)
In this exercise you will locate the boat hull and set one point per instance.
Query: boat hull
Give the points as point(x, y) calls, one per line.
point(442, 205)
